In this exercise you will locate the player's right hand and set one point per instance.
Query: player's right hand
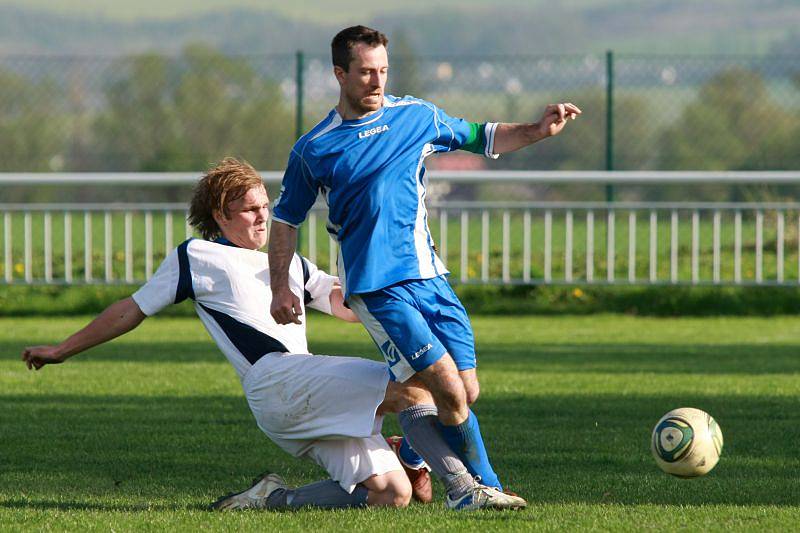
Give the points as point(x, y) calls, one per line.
point(38, 356)
point(285, 307)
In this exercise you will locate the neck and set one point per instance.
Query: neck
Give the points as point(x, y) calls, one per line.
point(226, 241)
point(347, 112)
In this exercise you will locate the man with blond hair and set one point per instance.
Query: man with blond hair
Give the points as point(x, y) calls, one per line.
point(323, 408)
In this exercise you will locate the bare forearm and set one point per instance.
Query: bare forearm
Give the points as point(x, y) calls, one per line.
point(512, 136)
point(338, 309)
point(282, 245)
point(118, 318)
point(509, 137)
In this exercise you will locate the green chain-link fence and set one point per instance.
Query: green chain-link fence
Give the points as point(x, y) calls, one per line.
point(157, 112)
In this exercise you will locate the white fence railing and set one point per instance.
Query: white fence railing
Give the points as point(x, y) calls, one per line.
point(619, 177)
point(481, 242)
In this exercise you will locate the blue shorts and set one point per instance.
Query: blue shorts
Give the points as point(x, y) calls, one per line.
point(414, 323)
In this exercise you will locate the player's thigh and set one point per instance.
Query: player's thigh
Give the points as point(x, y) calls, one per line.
point(301, 396)
point(398, 328)
point(350, 461)
point(448, 320)
point(400, 396)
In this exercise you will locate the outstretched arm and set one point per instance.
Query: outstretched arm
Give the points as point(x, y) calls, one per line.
point(285, 307)
point(118, 318)
point(510, 137)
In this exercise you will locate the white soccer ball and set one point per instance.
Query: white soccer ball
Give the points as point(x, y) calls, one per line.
point(686, 442)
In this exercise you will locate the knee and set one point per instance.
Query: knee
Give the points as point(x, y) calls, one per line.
point(452, 403)
point(472, 390)
point(471, 386)
point(447, 388)
point(452, 394)
point(396, 494)
point(401, 495)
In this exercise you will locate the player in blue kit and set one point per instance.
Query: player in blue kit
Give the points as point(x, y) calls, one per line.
point(366, 159)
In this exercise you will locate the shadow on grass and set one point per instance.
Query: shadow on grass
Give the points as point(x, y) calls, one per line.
point(555, 449)
point(580, 358)
point(75, 505)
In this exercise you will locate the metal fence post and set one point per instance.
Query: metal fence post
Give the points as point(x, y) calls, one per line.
point(298, 119)
point(609, 120)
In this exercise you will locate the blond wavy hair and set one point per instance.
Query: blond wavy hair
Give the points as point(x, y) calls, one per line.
point(228, 181)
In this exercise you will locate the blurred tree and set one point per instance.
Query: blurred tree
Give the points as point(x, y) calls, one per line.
point(404, 76)
point(186, 113)
point(31, 113)
point(138, 130)
point(734, 124)
point(224, 108)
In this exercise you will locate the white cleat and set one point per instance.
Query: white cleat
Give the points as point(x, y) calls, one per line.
point(253, 498)
point(483, 497)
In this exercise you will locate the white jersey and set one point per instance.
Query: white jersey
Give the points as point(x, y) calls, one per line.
point(230, 287)
point(323, 408)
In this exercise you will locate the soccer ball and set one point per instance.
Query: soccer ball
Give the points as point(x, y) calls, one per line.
point(686, 442)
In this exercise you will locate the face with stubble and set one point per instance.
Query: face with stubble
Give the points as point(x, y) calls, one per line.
point(362, 85)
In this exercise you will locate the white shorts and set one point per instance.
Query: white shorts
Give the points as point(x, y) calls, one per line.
point(324, 408)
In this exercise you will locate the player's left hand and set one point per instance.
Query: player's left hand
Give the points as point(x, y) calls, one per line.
point(38, 356)
point(555, 117)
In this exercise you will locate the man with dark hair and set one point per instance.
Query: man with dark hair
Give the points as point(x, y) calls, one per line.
point(366, 158)
point(336, 404)
point(345, 40)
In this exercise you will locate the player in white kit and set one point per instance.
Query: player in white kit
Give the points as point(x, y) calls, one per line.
point(327, 409)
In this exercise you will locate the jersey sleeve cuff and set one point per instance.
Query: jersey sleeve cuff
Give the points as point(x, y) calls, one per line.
point(489, 131)
point(140, 301)
point(323, 301)
point(282, 221)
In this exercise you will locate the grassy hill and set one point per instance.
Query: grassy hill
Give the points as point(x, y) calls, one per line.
point(316, 10)
point(466, 27)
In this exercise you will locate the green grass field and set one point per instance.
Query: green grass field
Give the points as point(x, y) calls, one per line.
point(144, 432)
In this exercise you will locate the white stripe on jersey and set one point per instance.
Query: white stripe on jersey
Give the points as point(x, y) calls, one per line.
point(333, 229)
point(336, 121)
point(429, 264)
point(490, 130)
point(436, 121)
point(341, 270)
point(358, 124)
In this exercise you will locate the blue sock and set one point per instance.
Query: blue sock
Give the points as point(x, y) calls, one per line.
point(465, 439)
point(409, 456)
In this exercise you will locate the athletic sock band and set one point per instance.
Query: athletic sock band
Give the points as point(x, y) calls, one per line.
point(326, 494)
point(466, 440)
point(420, 427)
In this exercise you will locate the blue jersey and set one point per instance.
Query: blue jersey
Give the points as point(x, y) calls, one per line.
point(371, 174)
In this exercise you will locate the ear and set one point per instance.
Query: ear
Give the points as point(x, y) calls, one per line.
point(340, 74)
point(219, 218)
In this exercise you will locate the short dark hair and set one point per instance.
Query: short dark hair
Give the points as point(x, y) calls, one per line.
point(345, 40)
